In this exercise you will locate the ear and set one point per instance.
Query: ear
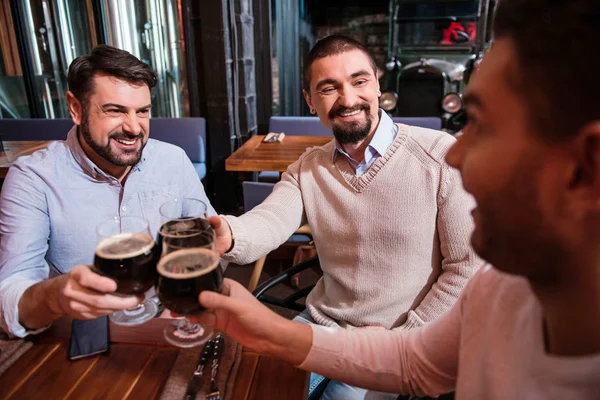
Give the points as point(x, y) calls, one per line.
point(307, 98)
point(584, 172)
point(75, 108)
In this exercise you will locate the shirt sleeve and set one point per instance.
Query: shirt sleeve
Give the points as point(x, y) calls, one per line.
point(459, 261)
point(268, 225)
point(24, 234)
point(419, 362)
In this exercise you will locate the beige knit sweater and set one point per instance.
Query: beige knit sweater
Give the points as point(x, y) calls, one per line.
point(393, 244)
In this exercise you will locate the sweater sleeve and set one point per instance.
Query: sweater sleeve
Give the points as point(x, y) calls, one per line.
point(268, 225)
point(419, 362)
point(459, 261)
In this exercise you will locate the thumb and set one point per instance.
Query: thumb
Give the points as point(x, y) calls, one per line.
point(216, 222)
point(214, 300)
point(85, 277)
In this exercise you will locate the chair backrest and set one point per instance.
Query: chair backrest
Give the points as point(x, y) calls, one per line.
point(312, 126)
point(35, 129)
point(255, 193)
point(187, 133)
point(423, 122)
point(297, 126)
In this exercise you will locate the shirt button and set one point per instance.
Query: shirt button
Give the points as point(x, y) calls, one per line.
point(124, 208)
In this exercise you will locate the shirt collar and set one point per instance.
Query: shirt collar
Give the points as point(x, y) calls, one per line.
point(380, 141)
point(87, 165)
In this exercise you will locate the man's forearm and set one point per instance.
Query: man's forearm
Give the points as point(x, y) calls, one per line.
point(37, 307)
point(290, 341)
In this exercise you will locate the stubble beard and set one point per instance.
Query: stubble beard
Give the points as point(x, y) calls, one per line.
point(513, 234)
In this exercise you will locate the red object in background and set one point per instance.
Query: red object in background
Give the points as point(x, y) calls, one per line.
point(472, 30)
point(451, 34)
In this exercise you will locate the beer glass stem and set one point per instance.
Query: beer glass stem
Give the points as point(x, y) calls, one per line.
point(135, 310)
point(187, 328)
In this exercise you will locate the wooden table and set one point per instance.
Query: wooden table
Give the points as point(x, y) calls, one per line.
point(256, 155)
point(16, 149)
point(137, 367)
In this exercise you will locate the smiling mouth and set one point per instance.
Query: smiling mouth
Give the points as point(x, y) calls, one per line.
point(127, 142)
point(349, 114)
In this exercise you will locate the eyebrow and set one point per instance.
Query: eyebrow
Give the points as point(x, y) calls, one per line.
point(362, 72)
point(330, 81)
point(122, 107)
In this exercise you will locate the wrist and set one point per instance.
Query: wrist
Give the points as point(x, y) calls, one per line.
point(37, 306)
point(51, 295)
point(290, 340)
point(231, 246)
point(232, 243)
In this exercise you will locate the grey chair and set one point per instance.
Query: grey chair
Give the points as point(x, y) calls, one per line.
point(187, 133)
point(298, 126)
point(423, 122)
point(35, 129)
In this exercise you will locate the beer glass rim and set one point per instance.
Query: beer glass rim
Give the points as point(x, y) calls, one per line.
point(181, 200)
point(162, 233)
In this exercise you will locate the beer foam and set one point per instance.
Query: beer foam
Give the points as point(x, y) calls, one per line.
point(187, 258)
point(124, 245)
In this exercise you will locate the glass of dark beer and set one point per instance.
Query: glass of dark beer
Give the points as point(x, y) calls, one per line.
point(189, 265)
point(185, 213)
point(127, 253)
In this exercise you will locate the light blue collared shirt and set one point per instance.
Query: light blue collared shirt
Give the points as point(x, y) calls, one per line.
point(53, 200)
point(382, 139)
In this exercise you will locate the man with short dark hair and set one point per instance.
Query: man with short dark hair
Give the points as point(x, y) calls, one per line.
point(52, 201)
point(528, 327)
point(389, 218)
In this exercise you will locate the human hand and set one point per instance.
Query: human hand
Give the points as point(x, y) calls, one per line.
point(83, 294)
point(223, 232)
point(239, 314)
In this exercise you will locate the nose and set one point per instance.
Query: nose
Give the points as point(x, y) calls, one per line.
point(455, 155)
point(131, 124)
point(348, 96)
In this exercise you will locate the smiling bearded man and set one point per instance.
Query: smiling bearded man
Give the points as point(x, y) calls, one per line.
point(389, 218)
point(53, 200)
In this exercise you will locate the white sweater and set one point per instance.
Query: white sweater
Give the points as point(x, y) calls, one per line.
point(393, 243)
point(492, 339)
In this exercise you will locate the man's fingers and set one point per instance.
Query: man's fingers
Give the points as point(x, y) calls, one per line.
point(89, 279)
point(212, 300)
point(207, 318)
point(215, 222)
point(97, 300)
point(84, 309)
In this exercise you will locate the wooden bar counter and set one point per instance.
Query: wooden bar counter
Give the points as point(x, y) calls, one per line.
point(256, 155)
point(136, 367)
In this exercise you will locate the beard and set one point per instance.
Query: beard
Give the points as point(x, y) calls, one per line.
point(511, 232)
point(351, 132)
point(126, 158)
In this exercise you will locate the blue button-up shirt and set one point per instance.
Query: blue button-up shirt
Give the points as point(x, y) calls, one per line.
point(382, 139)
point(53, 200)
